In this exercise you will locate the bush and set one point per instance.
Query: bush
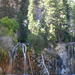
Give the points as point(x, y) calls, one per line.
point(37, 42)
point(9, 23)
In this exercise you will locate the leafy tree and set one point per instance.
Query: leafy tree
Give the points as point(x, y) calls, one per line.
point(8, 27)
point(9, 23)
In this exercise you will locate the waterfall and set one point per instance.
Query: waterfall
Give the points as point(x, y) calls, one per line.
point(24, 49)
point(10, 63)
point(15, 49)
point(24, 63)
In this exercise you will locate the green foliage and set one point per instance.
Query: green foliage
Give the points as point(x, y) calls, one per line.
point(11, 12)
point(23, 29)
point(9, 23)
point(19, 50)
point(31, 16)
point(8, 28)
point(72, 19)
point(55, 22)
point(4, 31)
point(70, 34)
point(67, 37)
point(49, 19)
point(73, 13)
point(23, 22)
point(37, 42)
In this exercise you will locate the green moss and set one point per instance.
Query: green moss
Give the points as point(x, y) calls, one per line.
point(19, 50)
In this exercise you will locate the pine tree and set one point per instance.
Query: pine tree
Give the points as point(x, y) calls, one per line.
point(67, 7)
point(54, 18)
point(21, 16)
point(49, 20)
point(6, 9)
point(72, 25)
point(34, 37)
point(73, 13)
point(61, 20)
point(11, 12)
point(31, 17)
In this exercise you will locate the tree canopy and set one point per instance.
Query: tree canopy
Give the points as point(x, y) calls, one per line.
point(10, 23)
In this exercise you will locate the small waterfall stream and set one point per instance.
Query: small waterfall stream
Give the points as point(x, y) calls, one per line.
point(24, 49)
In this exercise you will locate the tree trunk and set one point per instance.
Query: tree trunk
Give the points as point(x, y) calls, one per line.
point(30, 63)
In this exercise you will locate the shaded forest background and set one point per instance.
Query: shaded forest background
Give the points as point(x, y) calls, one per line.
point(20, 22)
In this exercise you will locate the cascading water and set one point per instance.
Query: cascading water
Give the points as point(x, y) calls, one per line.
point(10, 63)
point(24, 49)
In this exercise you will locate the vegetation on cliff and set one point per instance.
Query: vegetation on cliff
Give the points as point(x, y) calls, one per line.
point(38, 22)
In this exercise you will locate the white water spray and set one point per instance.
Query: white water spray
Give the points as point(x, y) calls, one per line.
point(24, 49)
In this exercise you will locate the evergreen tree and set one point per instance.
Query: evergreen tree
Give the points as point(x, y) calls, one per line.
point(54, 19)
point(31, 17)
point(48, 20)
point(34, 37)
point(22, 20)
point(11, 12)
point(73, 13)
point(61, 20)
point(67, 7)
point(72, 24)
point(6, 9)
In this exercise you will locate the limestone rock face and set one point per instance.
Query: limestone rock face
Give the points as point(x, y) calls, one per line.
point(62, 52)
point(66, 53)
